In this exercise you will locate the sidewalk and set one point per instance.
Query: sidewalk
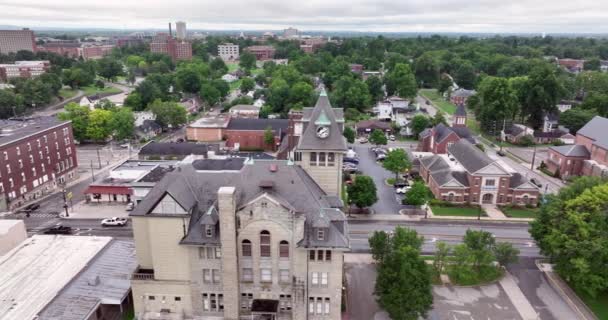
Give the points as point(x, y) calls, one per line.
point(493, 212)
point(83, 210)
point(521, 303)
point(384, 217)
point(494, 218)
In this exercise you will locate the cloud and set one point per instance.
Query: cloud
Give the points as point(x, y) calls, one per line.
point(354, 15)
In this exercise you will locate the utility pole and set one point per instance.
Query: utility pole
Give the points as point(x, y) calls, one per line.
point(533, 158)
point(65, 203)
point(92, 171)
point(98, 158)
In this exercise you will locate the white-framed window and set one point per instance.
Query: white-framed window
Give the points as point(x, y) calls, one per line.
point(285, 302)
point(246, 300)
point(327, 304)
point(324, 279)
point(284, 275)
point(207, 276)
point(5, 155)
point(20, 164)
point(247, 275)
point(217, 277)
point(490, 182)
point(265, 275)
point(320, 235)
point(18, 151)
point(314, 278)
point(8, 169)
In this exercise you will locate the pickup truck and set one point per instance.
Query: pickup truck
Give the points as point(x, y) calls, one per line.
point(115, 221)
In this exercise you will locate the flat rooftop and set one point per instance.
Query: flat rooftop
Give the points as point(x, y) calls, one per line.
point(211, 122)
point(34, 272)
point(106, 280)
point(17, 129)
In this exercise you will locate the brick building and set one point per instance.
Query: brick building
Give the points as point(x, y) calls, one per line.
point(16, 40)
point(588, 156)
point(459, 97)
point(467, 175)
point(262, 52)
point(76, 50)
point(23, 69)
point(440, 137)
point(176, 49)
point(37, 155)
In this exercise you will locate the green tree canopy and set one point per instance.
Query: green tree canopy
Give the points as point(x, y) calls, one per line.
point(100, 125)
point(362, 192)
point(576, 118)
point(397, 162)
point(378, 137)
point(419, 123)
point(188, 80)
point(247, 60)
point(418, 194)
point(123, 123)
point(247, 85)
point(374, 86)
point(79, 115)
point(349, 134)
point(401, 81)
point(109, 68)
point(269, 137)
point(168, 113)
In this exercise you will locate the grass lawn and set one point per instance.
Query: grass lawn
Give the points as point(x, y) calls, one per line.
point(520, 212)
point(232, 66)
point(457, 211)
point(473, 278)
point(438, 100)
point(91, 90)
point(235, 85)
point(599, 304)
point(67, 93)
point(256, 71)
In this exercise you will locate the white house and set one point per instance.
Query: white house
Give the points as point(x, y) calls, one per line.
point(229, 78)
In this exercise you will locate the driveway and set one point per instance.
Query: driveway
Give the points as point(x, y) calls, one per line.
point(388, 202)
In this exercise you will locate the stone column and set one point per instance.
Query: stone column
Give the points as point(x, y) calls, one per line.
point(230, 265)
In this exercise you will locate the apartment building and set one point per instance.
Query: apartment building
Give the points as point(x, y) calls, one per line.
point(228, 51)
point(246, 239)
point(78, 50)
point(181, 32)
point(37, 155)
point(23, 69)
point(16, 40)
point(176, 49)
point(262, 52)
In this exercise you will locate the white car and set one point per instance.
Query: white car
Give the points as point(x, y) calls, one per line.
point(402, 190)
point(130, 206)
point(114, 221)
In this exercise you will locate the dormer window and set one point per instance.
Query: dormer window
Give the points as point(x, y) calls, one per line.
point(209, 231)
point(264, 204)
point(320, 234)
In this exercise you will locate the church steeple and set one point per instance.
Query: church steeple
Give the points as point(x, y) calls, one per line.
point(460, 117)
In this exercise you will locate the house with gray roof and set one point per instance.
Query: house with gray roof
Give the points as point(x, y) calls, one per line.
point(241, 237)
point(588, 156)
point(466, 175)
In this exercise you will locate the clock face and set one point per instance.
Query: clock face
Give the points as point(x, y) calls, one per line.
point(322, 132)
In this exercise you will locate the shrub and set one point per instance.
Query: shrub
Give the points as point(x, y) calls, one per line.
point(526, 141)
point(100, 84)
point(481, 147)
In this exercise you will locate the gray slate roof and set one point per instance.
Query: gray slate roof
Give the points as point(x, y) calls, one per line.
point(110, 273)
point(196, 191)
point(596, 129)
point(309, 139)
point(170, 148)
point(575, 150)
point(469, 156)
point(461, 111)
point(258, 124)
point(441, 171)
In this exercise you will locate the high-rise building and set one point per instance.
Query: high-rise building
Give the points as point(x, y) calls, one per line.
point(16, 40)
point(181, 32)
point(291, 33)
point(235, 238)
point(228, 51)
point(176, 49)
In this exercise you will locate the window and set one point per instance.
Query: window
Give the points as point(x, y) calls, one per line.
point(246, 248)
point(450, 197)
point(46, 149)
point(264, 204)
point(213, 302)
point(313, 159)
point(319, 305)
point(314, 279)
point(327, 304)
point(20, 164)
point(45, 139)
point(265, 244)
point(284, 249)
point(207, 275)
point(320, 255)
point(246, 300)
point(31, 158)
point(284, 275)
point(324, 277)
point(321, 160)
point(265, 275)
point(297, 156)
point(151, 298)
point(311, 305)
point(327, 255)
point(216, 276)
point(178, 298)
point(18, 151)
point(247, 275)
point(38, 142)
point(218, 252)
point(331, 159)
point(40, 155)
point(311, 255)
point(209, 231)
point(490, 182)
point(8, 168)
point(5, 155)
point(320, 235)
point(23, 176)
point(285, 302)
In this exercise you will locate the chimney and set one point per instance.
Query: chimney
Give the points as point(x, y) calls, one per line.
point(170, 34)
point(230, 281)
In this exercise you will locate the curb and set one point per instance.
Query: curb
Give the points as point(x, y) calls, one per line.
point(575, 306)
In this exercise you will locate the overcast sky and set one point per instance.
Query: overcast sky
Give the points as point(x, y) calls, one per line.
point(550, 16)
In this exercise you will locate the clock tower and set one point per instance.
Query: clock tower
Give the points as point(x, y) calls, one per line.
point(322, 145)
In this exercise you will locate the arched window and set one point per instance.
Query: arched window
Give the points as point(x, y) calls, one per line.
point(265, 244)
point(526, 199)
point(450, 197)
point(283, 249)
point(246, 247)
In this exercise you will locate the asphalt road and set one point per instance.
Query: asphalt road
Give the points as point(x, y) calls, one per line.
point(449, 232)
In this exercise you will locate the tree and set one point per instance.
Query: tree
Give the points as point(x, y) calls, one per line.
point(442, 251)
point(571, 230)
point(349, 134)
point(10, 104)
point(109, 68)
point(100, 124)
point(374, 86)
point(218, 67)
point(403, 284)
point(481, 244)
point(378, 137)
point(79, 115)
point(592, 65)
point(544, 91)
point(349, 92)
point(426, 68)
point(597, 102)
point(505, 253)
point(419, 123)
point(397, 161)
point(575, 118)
point(188, 80)
point(418, 194)
point(444, 84)
point(269, 136)
point(123, 123)
point(247, 60)
point(439, 118)
point(77, 77)
point(168, 113)
point(222, 86)
point(401, 81)
point(133, 100)
point(496, 102)
point(362, 192)
point(148, 91)
point(465, 75)
point(247, 85)
point(210, 94)
point(301, 95)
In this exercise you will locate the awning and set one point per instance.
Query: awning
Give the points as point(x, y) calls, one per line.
point(109, 190)
point(264, 306)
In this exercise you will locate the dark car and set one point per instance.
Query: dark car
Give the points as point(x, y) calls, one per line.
point(31, 207)
point(501, 153)
point(536, 183)
point(401, 184)
point(59, 230)
point(351, 160)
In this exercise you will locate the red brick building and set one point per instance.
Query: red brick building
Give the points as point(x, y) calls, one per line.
point(165, 44)
point(467, 175)
point(589, 155)
point(440, 137)
point(459, 97)
point(77, 50)
point(262, 52)
point(16, 40)
point(36, 156)
point(23, 69)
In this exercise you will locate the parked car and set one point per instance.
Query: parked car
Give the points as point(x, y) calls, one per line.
point(536, 183)
point(58, 230)
point(363, 140)
point(115, 221)
point(380, 157)
point(130, 206)
point(391, 137)
point(351, 160)
point(401, 184)
point(350, 168)
point(501, 153)
point(124, 145)
point(31, 207)
point(402, 190)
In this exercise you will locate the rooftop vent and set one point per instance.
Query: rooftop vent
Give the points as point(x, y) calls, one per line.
point(266, 184)
point(273, 168)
